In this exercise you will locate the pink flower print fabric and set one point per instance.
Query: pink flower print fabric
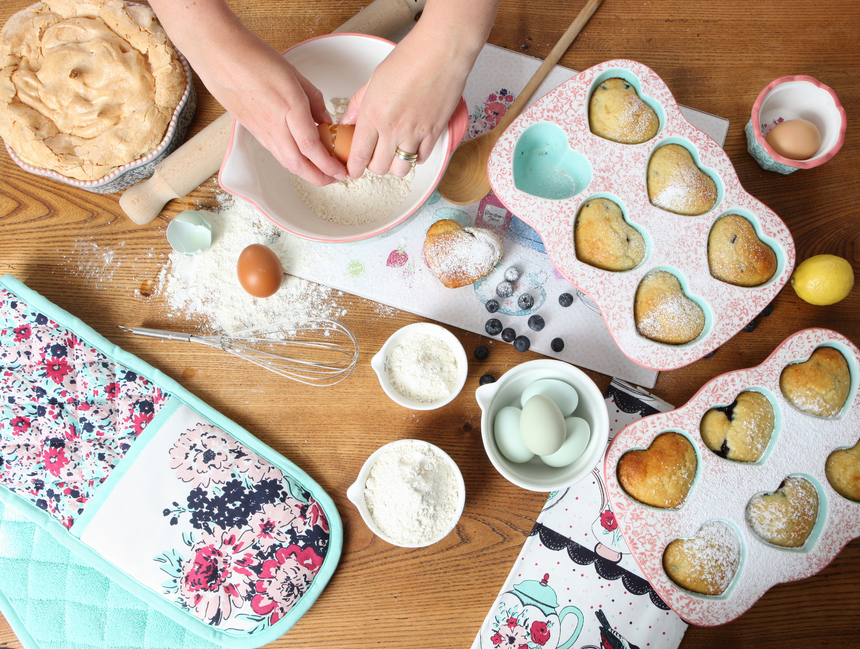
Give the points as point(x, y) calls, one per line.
point(255, 538)
point(69, 412)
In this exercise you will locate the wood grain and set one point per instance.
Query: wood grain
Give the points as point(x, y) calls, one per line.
point(81, 252)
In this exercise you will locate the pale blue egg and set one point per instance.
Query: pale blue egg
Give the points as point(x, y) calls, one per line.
point(506, 432)
point(563, 394)
point(578, 434)
point(542, 425)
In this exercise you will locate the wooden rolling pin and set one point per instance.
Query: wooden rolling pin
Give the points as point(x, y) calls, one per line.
point(191, 164)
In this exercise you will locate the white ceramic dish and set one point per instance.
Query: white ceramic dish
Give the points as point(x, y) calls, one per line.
point(379, 363)
point(722, 488)
point(338, 65)
point(555, 134)
point(535, 475)
point(355, 493)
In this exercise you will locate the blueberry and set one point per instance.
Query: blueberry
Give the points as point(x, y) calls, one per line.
point(512, 274)
point(481, 352)
point(556, 345)
point(505, 289)
point(767, 310)
point(751, 325)
point(487, 378)
point(492, 306)
point(493, 326)
point(710, 355)
point(536, 323)
point(508, 335)
point(522, 344)
point(565, 299)
point(525, 302)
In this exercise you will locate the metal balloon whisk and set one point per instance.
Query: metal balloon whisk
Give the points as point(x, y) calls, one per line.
point(314, 351)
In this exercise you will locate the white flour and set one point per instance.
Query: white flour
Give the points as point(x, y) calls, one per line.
point(412, 494)
point(207, 285)
point(422, 368)
point(354, 201)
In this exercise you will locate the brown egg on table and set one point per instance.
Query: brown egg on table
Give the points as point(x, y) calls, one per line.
point(260, 271)
point(795, 139)
point(338, 139)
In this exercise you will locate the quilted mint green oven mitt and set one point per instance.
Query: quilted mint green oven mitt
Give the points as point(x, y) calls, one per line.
point(148, 490)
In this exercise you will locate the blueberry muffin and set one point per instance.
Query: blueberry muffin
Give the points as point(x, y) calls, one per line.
point(663, 313)
point(786, 516)
point(603, 238)
point(677, 185)
point(617, 113)
point(706, 563)
point(661, 475)
point(820, 385)
point(740, 431)
point(843, 472)
point(736, 255)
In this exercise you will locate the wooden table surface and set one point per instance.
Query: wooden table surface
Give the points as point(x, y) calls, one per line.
point(80, 251)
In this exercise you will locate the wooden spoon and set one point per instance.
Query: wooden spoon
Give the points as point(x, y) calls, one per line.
point(465, 180)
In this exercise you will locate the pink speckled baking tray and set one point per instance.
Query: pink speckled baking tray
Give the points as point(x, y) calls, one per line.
point(722, 488)
point(675, 243)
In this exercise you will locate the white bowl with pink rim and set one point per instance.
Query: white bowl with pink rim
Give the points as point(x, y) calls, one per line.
point(796, 97)
point(548, 163)
point(799, 446)
point(338, 65)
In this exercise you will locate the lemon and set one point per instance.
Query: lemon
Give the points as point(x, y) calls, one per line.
point(823, 279)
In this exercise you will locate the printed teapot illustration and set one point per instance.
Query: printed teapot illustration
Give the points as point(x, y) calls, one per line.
point(528, 615)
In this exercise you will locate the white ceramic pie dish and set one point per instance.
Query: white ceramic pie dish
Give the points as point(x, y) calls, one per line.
point(557, 126)
point(338, 65)
point(799, 446)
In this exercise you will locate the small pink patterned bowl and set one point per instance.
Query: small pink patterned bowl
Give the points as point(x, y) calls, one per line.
point(134, 172)
point(795, 97)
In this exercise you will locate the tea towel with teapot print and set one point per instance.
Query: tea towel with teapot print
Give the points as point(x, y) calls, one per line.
point(574, 584)
point(150, 488)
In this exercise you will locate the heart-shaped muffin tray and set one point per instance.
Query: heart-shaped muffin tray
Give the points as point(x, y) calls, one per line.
point(799, 446)
point(548, 163)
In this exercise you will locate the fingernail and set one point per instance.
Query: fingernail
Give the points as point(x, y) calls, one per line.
point(339, 176)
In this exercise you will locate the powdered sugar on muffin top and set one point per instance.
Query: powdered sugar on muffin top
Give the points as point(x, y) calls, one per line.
point(468, 252)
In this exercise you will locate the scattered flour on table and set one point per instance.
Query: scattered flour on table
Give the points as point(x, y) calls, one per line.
point(422, 368)
point(354, 201)
point(207, 285)
point(412, 493)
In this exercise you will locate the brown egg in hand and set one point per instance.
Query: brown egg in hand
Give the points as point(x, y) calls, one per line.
point(260, 271)
point(338, 139)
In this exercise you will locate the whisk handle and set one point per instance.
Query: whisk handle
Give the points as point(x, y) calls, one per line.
point(158, 333)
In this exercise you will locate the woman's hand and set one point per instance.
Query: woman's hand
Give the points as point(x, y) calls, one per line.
point(255, 84)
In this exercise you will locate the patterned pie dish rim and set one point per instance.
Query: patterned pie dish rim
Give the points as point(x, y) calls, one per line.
point(674, 242)
point(795, 449)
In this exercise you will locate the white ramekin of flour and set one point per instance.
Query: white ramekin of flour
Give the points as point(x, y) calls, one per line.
point(410, 493)
point(421, 366)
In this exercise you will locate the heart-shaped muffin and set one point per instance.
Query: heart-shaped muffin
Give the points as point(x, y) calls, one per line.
point(603, 238)
point(819, 385)
point(664, 313)
point(460, 256)
point(740, 431)
point(843, 471)
point(786, 516)
point(662, 474)
point(736, 255)
point(617, 113)
point(706, 563)
point(677, 185)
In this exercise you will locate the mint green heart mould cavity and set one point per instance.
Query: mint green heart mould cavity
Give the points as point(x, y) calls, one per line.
point(546, 166)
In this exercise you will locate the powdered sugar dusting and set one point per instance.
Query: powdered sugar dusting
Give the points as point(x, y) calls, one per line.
point(707, 562)
point(207, 286)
